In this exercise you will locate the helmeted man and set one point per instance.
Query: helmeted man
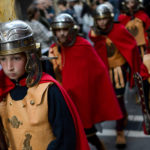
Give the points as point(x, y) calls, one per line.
point(36, 111)
point(118, 50)
point(137, 22)
point(83, 74)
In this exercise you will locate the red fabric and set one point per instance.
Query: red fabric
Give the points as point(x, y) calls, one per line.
point(124, 19)
point(85, 78)
point(81, 144)
point(144, 72)
point(144, 128)
point(124, 42)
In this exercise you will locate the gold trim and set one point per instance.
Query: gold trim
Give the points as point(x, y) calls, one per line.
point(17, 50)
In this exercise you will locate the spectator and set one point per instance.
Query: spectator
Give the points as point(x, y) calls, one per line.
point(41, 34)
point(63, 8)
point(43, 14)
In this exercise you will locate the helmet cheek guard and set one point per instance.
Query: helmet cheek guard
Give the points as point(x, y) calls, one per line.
point(17, 37)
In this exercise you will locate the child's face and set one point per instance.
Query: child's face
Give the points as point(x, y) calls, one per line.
point(13, 65)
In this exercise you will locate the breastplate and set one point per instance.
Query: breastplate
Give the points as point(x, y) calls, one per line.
point(26, 121)
point(135, 27)
point(114, 56)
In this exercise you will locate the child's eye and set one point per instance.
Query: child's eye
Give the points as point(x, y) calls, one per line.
point(17, 58)
point(2, 59)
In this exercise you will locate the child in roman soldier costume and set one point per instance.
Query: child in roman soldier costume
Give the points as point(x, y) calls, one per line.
point(36, 112)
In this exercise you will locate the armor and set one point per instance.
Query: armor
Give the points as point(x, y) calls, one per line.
point(34, 132)
point(103, 11)
point(17, 37)
point(65, 21)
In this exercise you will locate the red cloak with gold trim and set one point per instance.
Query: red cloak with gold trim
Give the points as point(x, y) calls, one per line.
point(124, 42)
point(86, 79)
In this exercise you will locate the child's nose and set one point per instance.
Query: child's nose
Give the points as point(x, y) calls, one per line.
point(9, 65)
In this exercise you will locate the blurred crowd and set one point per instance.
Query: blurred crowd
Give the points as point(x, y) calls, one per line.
point(41, 12)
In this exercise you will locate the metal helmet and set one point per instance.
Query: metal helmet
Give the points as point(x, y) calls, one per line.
point(103, 11)
point(138, 4)
point(65, 21)
point(17, 37)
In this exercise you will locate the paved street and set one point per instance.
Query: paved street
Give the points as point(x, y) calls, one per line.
point(136, 139)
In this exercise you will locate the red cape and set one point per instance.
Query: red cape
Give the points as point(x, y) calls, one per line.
point(81, 144)
point(124, 42)
point(86, 79)
point(124, 19)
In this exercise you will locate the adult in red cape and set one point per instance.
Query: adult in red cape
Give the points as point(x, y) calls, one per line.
point(6, 85)
point(118, 50)
point(124, 42)
point(137, 22)
point(134, 17)
point(83, 74)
